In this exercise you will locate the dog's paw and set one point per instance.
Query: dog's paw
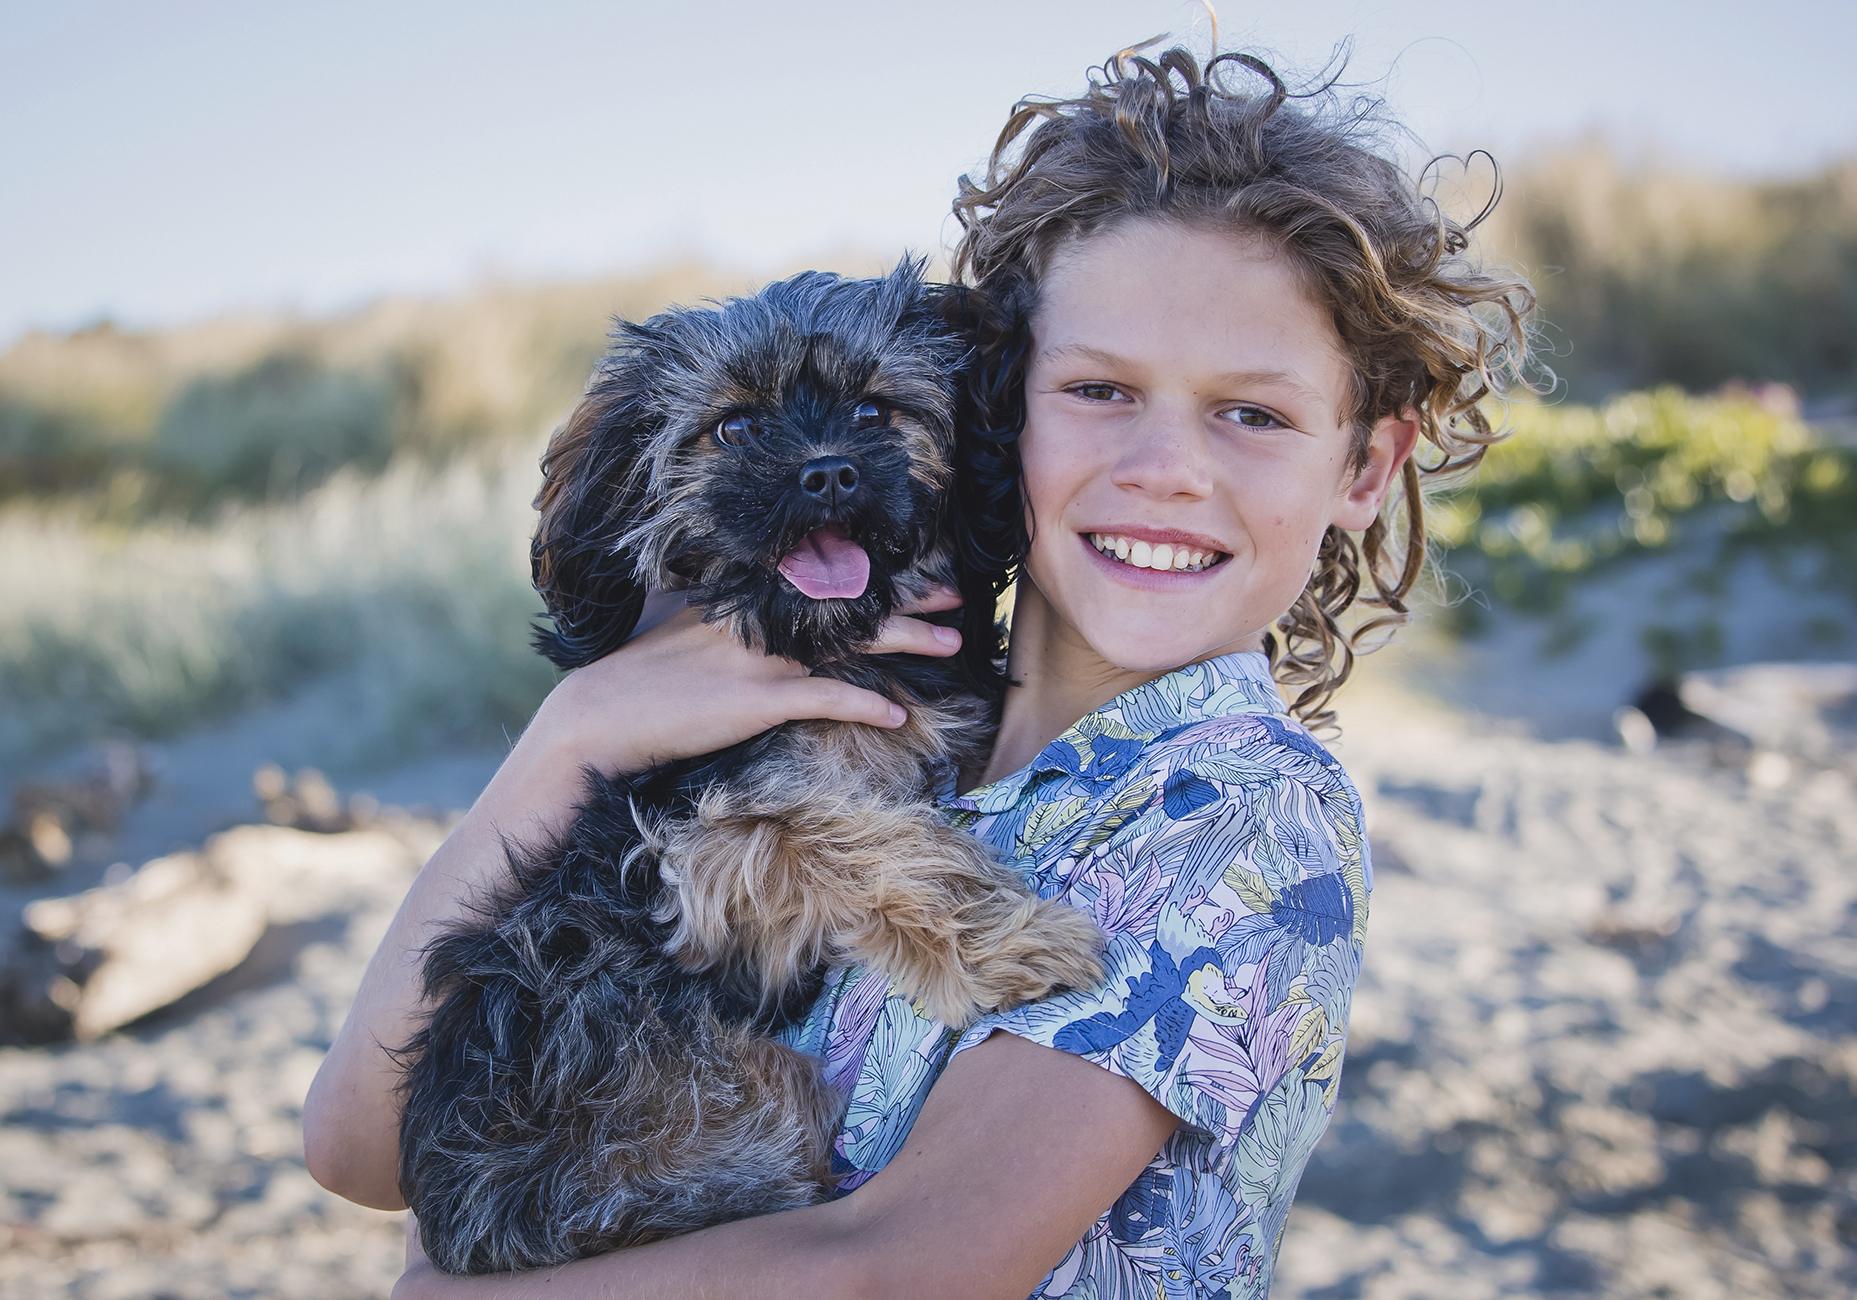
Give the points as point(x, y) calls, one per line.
point(1058, 948)
point(1036, 949)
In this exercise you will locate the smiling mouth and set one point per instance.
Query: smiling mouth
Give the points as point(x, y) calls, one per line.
point(1156, 555)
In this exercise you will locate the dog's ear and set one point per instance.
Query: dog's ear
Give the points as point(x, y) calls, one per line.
point(593, 489)
point(987, 502)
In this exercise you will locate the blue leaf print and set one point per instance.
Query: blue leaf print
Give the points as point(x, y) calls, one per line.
point(1113, 756)
point(1142, 1209)
point(1255, 937)
point(1286, 961)
point(1059, 756)
point(1244, 828)
point(1294, 738)
point(1273, 1146)
point(1318, 910)
point(1332, 970)
point(1312, 854)
point(1200, 1263)
point(1185, 794)
point(1246, 941)
point(1154, 995)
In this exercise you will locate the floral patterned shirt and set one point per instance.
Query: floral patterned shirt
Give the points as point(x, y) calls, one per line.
point(1220, 849)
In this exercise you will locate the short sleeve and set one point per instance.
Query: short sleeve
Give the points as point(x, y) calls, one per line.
point(1234, 907)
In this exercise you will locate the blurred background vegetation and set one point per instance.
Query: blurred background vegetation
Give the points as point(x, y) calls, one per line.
point(200, 519)
point(1650, 276)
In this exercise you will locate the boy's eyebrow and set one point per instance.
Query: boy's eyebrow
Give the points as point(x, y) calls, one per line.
point(1231, 378)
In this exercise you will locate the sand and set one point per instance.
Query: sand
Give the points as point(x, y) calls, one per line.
point(1606, 1037)
point(1605, 1044)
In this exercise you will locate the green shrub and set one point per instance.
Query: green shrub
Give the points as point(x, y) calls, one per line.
point(1578, 488)
point(277, 429)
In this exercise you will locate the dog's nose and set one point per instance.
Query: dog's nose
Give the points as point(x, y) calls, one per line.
point(829, 478)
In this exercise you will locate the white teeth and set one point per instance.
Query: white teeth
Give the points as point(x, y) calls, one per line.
point(1146, 555)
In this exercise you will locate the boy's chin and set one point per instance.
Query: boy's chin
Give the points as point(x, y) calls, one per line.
point(1149, 649)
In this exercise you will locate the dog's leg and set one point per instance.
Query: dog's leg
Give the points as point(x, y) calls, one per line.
point(783, 885)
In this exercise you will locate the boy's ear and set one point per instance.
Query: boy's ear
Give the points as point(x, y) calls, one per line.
point(1388, 447)
point(591, 495)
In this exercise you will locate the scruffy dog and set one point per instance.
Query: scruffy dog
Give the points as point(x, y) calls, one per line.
point(598, 1071)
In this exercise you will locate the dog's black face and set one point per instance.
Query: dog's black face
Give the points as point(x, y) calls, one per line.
point(788, 459)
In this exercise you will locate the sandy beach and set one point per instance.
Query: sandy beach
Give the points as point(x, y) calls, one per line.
point(1604, 1042)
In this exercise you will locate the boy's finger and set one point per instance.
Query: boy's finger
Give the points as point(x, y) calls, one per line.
point(911, 636)
point(827, 697)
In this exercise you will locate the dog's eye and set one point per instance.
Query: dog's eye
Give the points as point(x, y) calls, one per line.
point(737, 431)
point(870, 414)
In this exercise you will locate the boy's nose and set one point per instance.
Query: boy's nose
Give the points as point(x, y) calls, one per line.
point(1168, 458)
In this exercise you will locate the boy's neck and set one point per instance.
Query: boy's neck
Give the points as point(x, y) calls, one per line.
point(1059, 677)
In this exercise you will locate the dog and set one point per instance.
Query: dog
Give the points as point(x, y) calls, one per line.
point(599, 1070)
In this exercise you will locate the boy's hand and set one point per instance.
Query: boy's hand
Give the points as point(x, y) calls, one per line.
point(686, 688)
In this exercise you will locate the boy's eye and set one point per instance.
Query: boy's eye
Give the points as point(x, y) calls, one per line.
point(737, 431)
point(870, 414)
point(1253, 417)
point(1097, 392)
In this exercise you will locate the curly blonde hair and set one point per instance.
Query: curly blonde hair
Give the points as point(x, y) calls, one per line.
point(1425, 326)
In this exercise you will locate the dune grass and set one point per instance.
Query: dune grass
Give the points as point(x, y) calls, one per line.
point(1652, 275)
point(416, 580)
point(197, 520)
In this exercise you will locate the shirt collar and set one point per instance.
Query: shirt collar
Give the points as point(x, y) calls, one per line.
point(1102, 743)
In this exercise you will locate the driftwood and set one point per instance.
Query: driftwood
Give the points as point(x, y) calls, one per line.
point(88, 963)
point(50, 818)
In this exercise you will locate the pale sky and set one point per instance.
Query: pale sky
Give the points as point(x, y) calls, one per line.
point(162, 161)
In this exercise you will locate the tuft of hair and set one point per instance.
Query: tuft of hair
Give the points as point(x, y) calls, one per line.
point(1225, 145)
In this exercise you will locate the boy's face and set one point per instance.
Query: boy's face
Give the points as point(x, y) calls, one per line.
point(1184, 394)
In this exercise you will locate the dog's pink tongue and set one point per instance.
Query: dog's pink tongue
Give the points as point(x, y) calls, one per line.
point(827, 565)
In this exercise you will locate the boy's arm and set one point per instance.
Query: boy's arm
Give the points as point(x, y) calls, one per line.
point(1018, 1151)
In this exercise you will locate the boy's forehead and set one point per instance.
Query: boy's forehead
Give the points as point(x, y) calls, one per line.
point(1227, 307)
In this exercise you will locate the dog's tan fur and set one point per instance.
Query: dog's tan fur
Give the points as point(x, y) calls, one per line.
point(833, 855)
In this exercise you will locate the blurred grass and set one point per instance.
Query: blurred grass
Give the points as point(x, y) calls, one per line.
point(416, 579)
point(1650, 275)
point(179, 421)
point(200, 519)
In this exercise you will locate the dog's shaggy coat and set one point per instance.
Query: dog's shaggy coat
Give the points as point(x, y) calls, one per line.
point(597, 1071)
